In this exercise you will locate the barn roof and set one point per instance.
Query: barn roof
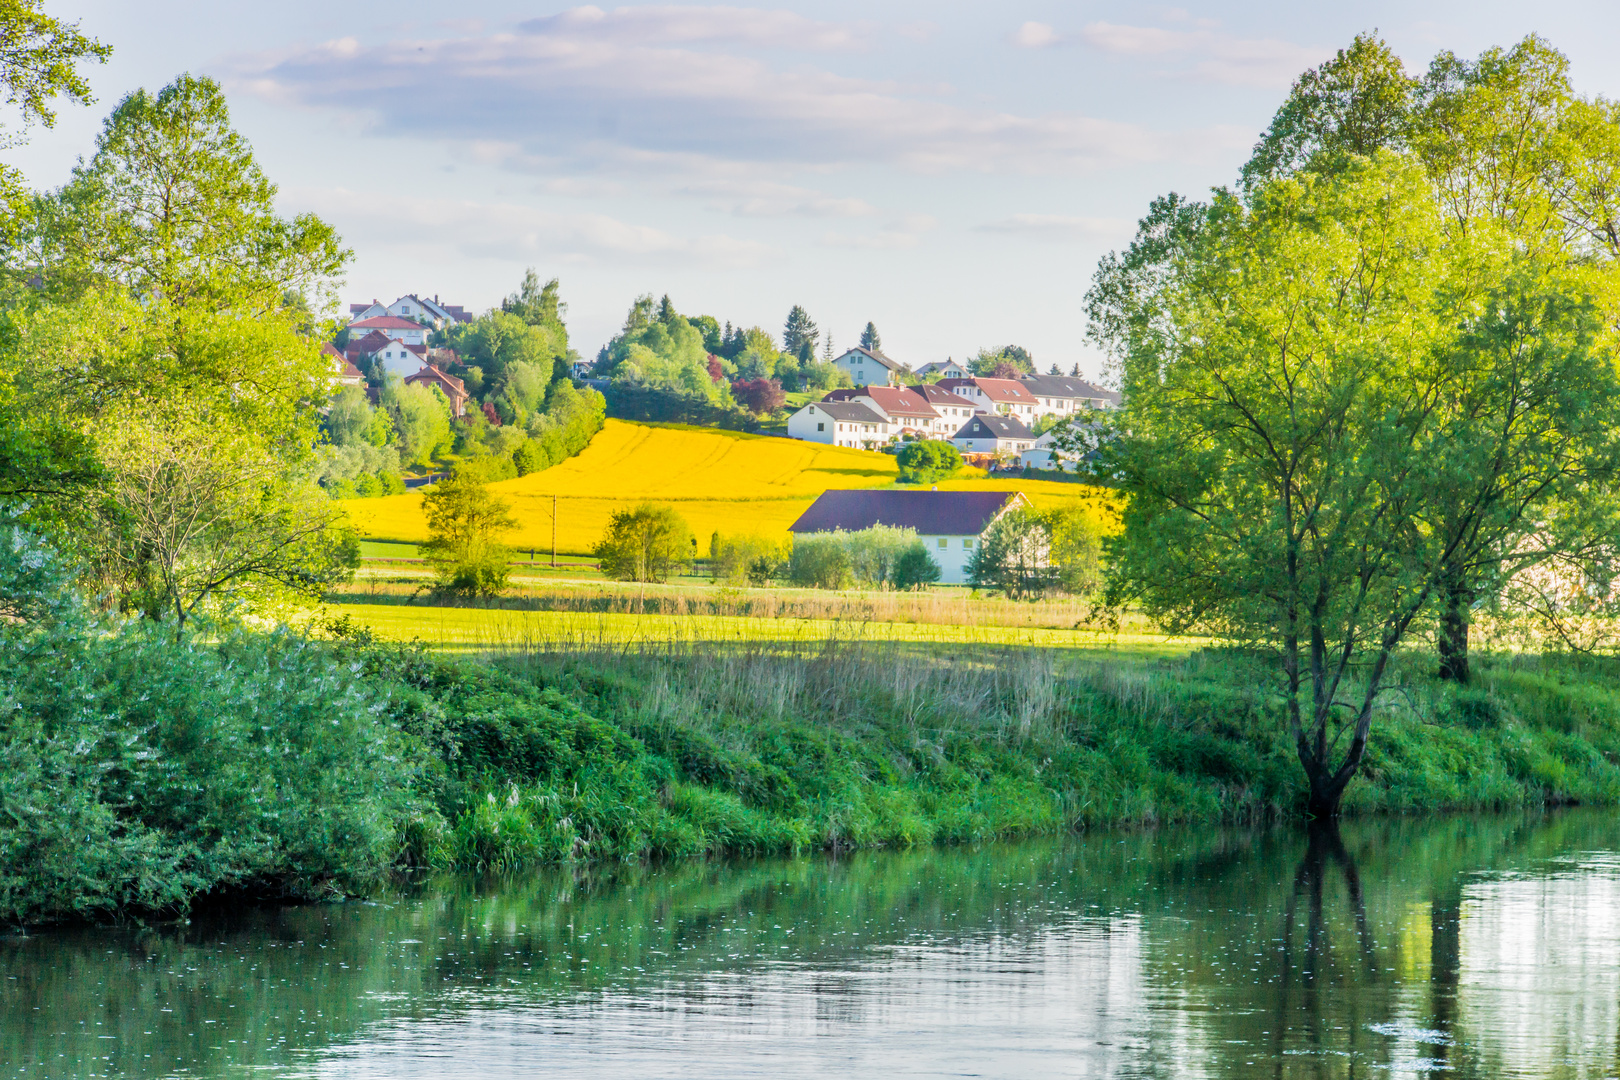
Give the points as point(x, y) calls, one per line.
point(931, 513)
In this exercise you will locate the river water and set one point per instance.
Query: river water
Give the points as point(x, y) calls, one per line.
point(1476, 947)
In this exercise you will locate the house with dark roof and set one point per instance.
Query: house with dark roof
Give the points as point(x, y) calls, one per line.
point(944, 369)
point(951, 524)
point(1065, 395)
point(841, 423)
point(866, 366)
point(991, 434)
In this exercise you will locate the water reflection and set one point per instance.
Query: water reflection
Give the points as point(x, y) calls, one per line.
point(1464, 947)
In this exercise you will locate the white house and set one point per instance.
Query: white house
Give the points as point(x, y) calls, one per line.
point(1065, 395)
point(1008, 397)
point(989, 434)
point(945, 369)
point(953, 409)
point(840, 423)
point(951, 524)
point(402, 359)
point(867, 366)
point(903, 408)
point(400, 329)
point(418, 309)
point(1043, 455)
point(343, 372)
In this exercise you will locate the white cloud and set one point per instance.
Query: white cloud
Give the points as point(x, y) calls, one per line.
point(508, 231)
point(668, 25)
point(1209, 54)
point(1059, 228)
point(1035, 35)
point(906, 232)
point(563, 98)
point(767, 199)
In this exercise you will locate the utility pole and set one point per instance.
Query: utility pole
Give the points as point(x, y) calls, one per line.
point(554, 532)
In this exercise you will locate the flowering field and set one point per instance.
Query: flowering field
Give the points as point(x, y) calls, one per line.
point(719, 480)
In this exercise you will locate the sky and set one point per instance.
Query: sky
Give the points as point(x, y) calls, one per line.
point(951, 172)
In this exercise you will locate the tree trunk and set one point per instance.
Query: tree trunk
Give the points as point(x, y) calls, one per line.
point(1453, 636)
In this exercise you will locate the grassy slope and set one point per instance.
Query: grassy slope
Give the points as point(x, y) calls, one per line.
point(719, 480)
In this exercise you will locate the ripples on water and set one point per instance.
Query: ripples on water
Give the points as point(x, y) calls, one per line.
point(1464, 947)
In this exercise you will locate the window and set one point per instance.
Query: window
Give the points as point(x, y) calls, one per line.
point(943, 542)
point(967, 541)
point(821, 427)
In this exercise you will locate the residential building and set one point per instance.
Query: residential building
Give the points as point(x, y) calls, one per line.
point(991, 434)
point(945, 369)
point(905, 410)
point(867, 366)
point(840, 423)
point(1043, 455)
point(953, 409)
point(399, 358)
point(1007, 397)
point(418, 309)
point(1064, 395)
point(344, 373)
point(400, 329)
point(951, 524)
point(452, 387)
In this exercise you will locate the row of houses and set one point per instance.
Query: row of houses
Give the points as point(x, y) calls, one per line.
point(396, 336)
point(981, 416)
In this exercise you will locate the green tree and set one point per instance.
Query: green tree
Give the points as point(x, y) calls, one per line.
point(1014, 555)
point(799, 335)
point(1076, 550)
point(1007, 362)
point(927, 460)
point(915, 569)
point(647, 543)
point(173, 205)
point(421, 419)
point(465, 525)
point(870, 338)
point(497, 340)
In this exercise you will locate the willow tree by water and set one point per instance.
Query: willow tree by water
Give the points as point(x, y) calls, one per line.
point(1293, 363)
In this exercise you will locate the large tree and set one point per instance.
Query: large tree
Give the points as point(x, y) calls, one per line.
point(1298, 367)
point(799, 334)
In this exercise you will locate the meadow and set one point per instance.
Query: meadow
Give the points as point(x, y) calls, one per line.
point(720, 481)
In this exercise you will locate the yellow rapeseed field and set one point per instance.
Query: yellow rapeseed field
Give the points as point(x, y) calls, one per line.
point(719, 480)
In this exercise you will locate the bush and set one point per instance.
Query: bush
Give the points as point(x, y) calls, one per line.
point(820, 562)
point(1076, 550)
point(465, 523)
point(1014, 556)
point(865, 557)
point(529, 457)
point(647, 543)
point(928, 460)
point(760, 396)
point(915, 569)
point(738, 560)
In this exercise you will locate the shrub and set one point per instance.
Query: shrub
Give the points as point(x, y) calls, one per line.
point(760, 396)
point(736, 560)
point(820, 562)
point(529, 457)
point(1076, 550)
point(465, 522)
point(866, 557)
point(928, 460)
point(915, 568)
point(1014, 556)
point(647, 543)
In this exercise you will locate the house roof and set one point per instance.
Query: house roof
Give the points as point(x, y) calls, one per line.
point(368, 345)
point(939, 365)
point(994, 389)
point(1067, 386)
point(932, 513)
point(894, 400)
point(429, 373)
point(937, 396)
point(386, 322)
point(892, 365)
point(848, 411)
point(1000, 427)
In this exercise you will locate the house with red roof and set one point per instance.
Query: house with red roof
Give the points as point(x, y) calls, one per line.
point(344, 373)
point(1004, 397)
point(406, 330)
point(452, 387)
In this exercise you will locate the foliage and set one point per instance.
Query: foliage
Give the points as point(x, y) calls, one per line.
point(746, 559)
point(1007, 362)
point(799, 335)
point(173, 205)
point(659, 349)
point(870, 339)
point(497, 341)
point(820, 561)
point(1076, 549)
point(762, 397)
point(652, 404)
point(915, 568)
point(838, 559)
point(646, 543)
point(927, 460)
point(1014, 556)
point(465, 524)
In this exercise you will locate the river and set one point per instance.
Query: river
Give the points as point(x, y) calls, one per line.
point(1461, 946)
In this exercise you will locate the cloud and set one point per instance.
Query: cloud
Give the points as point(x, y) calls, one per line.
point(1058, 228)
point(507, 231)
point(767, 199)
point(1034, 35)
point(671, 25)
point(1208, 54)
point(567, 95)
point(906, 232)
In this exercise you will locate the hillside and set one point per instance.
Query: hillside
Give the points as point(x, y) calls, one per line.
point(719, 480)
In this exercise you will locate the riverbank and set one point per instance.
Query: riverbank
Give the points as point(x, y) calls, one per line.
point(146, 771)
